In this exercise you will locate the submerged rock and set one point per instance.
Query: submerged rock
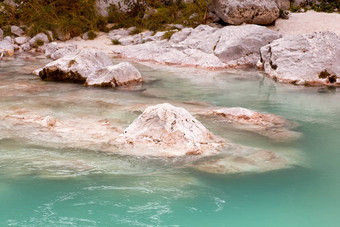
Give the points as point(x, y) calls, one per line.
point(113, 76)
point(243, 161)
point(246, 11)
point(205, 46)
point(166, 130)
point(269, 125)
point(302, 59)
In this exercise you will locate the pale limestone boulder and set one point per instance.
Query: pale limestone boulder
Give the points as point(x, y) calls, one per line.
point(21, 40)
point(6, 48)
point(300, 59)
point(75, 67)
point(113, 76)
point(246, 11)
point(15, 30)
point(240, 45)
point(166, 130)
point(41, 36)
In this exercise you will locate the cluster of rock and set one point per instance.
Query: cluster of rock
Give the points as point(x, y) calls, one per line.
point(205, 46)
point(89, 66)
point(19, 42)
point(297, 59)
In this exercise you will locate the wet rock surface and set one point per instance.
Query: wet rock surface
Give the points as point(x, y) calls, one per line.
point(302, 59)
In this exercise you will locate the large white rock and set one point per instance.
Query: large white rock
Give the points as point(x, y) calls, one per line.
point(205, 46)
point(245, 11)
point(75, 67)
point(166, 130)
point(240, 45)
point(113, 76)
point(300, 59)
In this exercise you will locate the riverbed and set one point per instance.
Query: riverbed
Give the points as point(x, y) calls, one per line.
point(47, 181)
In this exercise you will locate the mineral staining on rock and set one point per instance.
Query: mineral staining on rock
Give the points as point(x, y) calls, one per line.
point(302, 59)
point(268, 125)
point(166, 130)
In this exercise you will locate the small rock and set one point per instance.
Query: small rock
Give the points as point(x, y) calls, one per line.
point(41, 36)
point(26, 47)
point(16, 30)
point(21, 40)
point(49, 121)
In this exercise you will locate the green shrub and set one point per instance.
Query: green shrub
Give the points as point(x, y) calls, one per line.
point(92, 35)
point(38, 43)
point(115, 42)
point(168, 34)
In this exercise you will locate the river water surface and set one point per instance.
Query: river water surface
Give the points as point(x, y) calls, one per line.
point(50, 184)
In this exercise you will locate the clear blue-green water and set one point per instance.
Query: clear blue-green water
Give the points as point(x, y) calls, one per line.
point(39, 186)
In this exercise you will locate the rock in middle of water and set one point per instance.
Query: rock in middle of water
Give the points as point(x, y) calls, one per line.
point(92, 67)
point(166, 130)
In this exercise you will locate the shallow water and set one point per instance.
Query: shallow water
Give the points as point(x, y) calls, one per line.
point(49, 184)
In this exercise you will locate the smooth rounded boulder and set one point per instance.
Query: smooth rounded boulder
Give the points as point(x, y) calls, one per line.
point(116, 75)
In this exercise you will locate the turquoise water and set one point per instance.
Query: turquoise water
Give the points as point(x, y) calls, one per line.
point(45, 185)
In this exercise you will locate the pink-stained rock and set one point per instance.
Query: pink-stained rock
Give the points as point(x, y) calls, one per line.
point(247, 160)
point(166, 130)
point(269, 125)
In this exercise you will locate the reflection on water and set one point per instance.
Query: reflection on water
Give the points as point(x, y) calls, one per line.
point(56, 180)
